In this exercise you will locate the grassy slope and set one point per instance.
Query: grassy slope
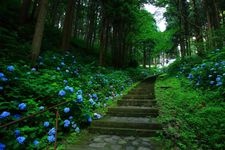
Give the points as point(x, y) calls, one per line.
point(191, 119)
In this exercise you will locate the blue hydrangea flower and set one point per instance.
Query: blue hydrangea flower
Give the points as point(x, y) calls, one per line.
point(21, 139)
point(66, 110)
point(1, 88)
point(51, 138)
point(4, 114)
point(94, 96)
point(212, 82)
point(216, 64)
point(89, 120)
point(74, 125)
point(17, 132)
point(22, 106)
point(66, 123)
point(52, 131)
point(4, 79)
point(203, 65)
point(91, 101)
point(198, 83)
point(11, 68)
point(218, 78)
point(79, 98)
point(1, 75)
point(71, 117)
point(70, 89)
point(46, 124)
point(58, 68)
point(41, 108)
point(219, 83)
point(16, 116)
point(41, 63)
point(36, 142)
point(79, 92)
point(33, 69)
point(97, 116)
point(62, 63)
point(77, 130)
point(2, 146)
point(65, 81)
point(62, 93)
point(190, 76)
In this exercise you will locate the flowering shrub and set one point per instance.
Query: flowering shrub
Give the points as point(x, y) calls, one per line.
point(56, 78)
point(210, 75)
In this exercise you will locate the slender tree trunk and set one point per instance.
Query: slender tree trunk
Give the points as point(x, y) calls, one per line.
point(68, 24)
point(103, 42)
point(144, 57)
point(39, 29)
point(77, 18)
point(24, 13)
point(198, 34)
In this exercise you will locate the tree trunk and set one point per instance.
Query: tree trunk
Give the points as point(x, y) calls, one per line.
point(77, 18)
point(68, 24)
point(24, 13)
point(39, 29)
point(144, 57)
point(198, 35)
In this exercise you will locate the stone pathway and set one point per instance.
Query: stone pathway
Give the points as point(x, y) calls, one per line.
point(129, 125)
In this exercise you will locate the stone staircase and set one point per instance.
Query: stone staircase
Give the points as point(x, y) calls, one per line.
point(135, 114)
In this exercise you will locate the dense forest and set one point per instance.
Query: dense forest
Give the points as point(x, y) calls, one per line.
point(62, 55)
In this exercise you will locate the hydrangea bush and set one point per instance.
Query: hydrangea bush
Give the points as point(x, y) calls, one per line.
point(208, 74)
point(55, 79)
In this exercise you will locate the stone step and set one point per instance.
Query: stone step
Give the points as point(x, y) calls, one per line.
point(136, 102)
point(129, 96)
point(124, 131)
point(128, 122)
point(132, 111)
point(140, 92)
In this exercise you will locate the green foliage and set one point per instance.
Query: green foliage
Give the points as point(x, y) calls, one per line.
point(41, 86)
point(191, 120)
point(184, 65)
